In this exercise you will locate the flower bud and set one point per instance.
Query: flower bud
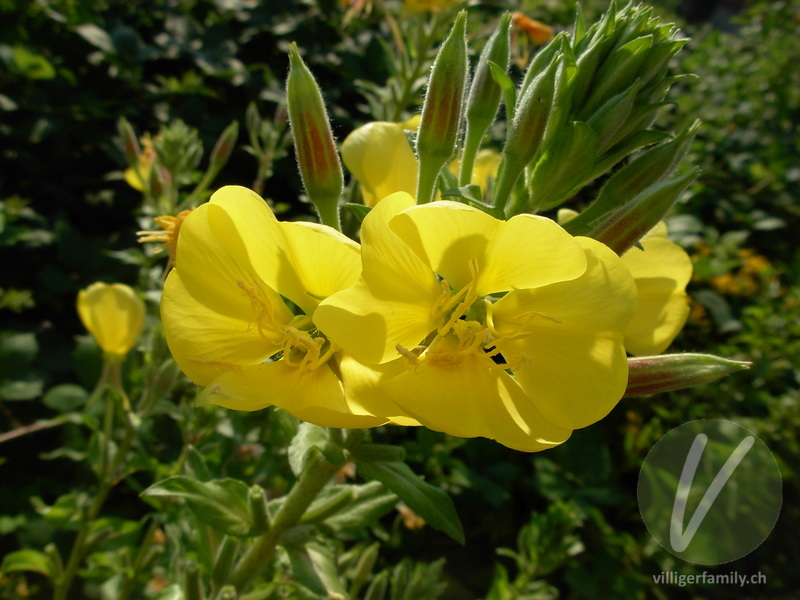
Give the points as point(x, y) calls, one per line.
point(649, 375)
point(130, 145)
point(114, 315)
point(612, 116)
point(441, 111)
point(316, 151)
point(257, 508)
point(223, 562)
point(622, 228)
point(192, 583)
point(224, 147)
point(484, 96)
point(633, 180)
point(525, 132)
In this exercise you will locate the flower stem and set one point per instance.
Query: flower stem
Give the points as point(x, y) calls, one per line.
point(314, 477)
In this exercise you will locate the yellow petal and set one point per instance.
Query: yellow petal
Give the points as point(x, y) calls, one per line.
point(113, 314)
point(572, 342)
point(132, 179)
point(471, 399)
point(380, 157)
point(315, 396)
point(391, 303)
point(364, 391)
point(215, 309)
point(661, 271)
point(526, 251)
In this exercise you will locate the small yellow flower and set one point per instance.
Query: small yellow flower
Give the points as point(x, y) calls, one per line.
point(114, 315)
point(380, 157)
point(168, 236)
point(138, 177)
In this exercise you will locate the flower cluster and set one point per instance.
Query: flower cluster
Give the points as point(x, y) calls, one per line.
point(476, 317)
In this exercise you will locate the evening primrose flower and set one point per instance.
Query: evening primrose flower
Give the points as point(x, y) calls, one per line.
point(510, 330)
point(381, 159)
point(661, 270)
point(229, 328)
point(168, 236)
point(114, 315)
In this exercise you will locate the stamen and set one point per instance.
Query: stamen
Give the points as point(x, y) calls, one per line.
point(264, 315)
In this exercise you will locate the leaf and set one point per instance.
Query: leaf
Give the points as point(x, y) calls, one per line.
point(32, 65)
point(370, 502)
point(509, 91)
point(308, 436)
point(314, 566)
point(221, 503)
point(28, 560)
point(17, 351)
point(429, 502)
point(65, 398)
point(96, 37)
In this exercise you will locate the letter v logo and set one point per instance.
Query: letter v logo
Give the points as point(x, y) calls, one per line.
point(680, 539)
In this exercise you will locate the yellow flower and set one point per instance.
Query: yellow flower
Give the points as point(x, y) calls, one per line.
point(510, 330)
point(229, 329)
point(485, 170)
point(137, 177)
point(113, 315)
point(380, 157)
point(661, 271)
point(168, 236)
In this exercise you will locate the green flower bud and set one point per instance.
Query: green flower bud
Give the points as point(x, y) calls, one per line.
point(257, 508)
point(224, 147)
point(647, 170)
point(441, 111)
point(484, 96)
point(366, 562)
point(612, 116)
point(526, 131)
point(316, 150)
point(621, 229)
point(192, 584)
point(130, 144)
point(649, 375)
point(378, 587)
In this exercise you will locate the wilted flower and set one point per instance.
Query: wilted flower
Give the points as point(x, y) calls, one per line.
point(114, 315)
point(136, 177)
point(538, 32)
point(510, 330)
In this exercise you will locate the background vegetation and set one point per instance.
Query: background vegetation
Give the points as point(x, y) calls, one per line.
point(567, 518)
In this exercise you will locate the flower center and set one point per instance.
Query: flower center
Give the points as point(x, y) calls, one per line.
point(303, 349)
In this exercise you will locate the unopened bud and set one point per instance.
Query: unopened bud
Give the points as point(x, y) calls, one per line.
point(363, 570)
point(192, 584)
point(130, 145)
point(316, 150)
point(224, 147)
point(622, 228)
point(526, 131)
point(649, 375)
point(634, 179)
point(612, 116)
point(441, 111)
point(257, 508)
point(378, 587)
point(484, 96)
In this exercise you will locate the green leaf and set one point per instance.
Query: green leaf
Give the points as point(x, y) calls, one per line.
point(367, 503)
point(429, 502)
point(509, 91)
point(221, 503)
point(66, 397)
point(96, 37)
point(28, 560)
point(359, 210)
point(21, 390)
point(17, 351)
point(32, 65)
point(308, 436)
point(314, 566)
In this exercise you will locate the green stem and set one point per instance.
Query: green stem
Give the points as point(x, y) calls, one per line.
point(426, 180)
point(472, 143)
point(314, 477)
point(328, 210)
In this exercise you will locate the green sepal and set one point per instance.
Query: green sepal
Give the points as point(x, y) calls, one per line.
point(649, 375)
point(359, 210)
